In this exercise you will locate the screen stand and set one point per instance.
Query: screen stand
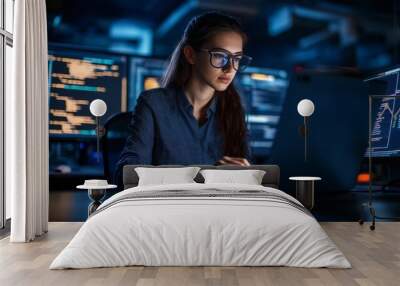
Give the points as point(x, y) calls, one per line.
point(369, 205)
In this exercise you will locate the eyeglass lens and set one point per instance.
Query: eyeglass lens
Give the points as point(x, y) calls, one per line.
point(221, 59)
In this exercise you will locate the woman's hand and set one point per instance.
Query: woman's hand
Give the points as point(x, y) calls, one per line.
point(234, 160)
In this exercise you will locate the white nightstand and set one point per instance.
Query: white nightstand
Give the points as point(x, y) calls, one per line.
point(305, 190)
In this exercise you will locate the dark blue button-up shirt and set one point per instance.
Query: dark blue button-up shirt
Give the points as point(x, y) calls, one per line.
point(164, 131)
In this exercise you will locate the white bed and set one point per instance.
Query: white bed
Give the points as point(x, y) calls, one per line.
point(245, 225)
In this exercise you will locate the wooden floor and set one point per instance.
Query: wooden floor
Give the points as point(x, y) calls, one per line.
point(375, 257)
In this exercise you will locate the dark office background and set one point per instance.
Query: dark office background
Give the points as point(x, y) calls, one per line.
point(350, 35)
point(296, 42)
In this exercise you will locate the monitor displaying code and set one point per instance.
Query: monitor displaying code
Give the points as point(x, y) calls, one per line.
point(385, 112)
point(76, 79)
point(263, 93)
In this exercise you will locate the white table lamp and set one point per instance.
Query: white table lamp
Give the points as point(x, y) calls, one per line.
point(98, 108)
point(305, 108)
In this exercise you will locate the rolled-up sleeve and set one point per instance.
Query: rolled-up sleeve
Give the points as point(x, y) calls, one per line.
point(138, 148)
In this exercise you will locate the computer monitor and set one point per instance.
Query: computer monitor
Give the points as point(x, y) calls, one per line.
point(338, 131)
point(75, 79)
point(145, 73)
point(385, 112)
point(263, 93)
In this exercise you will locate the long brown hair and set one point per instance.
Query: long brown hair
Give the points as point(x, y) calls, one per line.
point(231, 116)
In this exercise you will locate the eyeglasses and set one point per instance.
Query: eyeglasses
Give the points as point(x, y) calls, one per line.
point(221, 59)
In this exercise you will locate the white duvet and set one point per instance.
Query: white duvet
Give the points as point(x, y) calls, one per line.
point(205, 231)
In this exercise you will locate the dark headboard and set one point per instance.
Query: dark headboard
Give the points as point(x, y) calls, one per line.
point(270, 179)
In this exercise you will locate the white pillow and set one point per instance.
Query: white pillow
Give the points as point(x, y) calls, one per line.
point(162, 176)
point(249, 177)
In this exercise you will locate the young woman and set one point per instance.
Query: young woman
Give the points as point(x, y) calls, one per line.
point(197, 116)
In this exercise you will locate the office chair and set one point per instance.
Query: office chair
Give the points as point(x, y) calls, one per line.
point(113, 141)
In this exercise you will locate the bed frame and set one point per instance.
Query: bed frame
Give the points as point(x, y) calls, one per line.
point(270, 179)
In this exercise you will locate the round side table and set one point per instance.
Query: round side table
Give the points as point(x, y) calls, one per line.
point(305, 190)
point(96, 194)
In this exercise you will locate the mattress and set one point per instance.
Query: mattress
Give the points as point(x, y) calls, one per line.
point(201, 225)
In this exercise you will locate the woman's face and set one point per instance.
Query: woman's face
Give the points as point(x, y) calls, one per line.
point(217, 78)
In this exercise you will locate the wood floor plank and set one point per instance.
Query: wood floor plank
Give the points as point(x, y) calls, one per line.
point(374, 255)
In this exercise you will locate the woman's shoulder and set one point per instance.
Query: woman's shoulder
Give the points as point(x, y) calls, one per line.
point(158, 98)
point(156, 94)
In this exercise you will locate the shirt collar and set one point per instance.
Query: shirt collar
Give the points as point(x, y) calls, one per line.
point(185, 103)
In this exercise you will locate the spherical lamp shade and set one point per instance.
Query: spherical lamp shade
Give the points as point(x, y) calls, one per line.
point(98, 107)
point(305, 107)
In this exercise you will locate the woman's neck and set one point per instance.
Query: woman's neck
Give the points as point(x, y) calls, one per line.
point(198, 93)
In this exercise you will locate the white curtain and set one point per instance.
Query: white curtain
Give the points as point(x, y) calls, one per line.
point(27, 124)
